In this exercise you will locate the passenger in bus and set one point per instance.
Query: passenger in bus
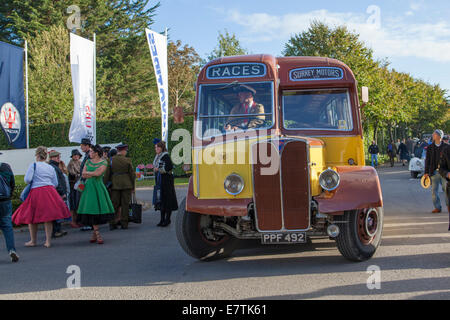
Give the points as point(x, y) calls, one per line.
point(247, 105)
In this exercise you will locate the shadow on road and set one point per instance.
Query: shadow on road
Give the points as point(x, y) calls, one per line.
point(388, 287)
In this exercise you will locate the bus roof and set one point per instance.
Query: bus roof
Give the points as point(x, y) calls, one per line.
point(291, 71)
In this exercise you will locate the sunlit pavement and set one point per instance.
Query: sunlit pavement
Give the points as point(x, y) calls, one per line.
point(146, 262)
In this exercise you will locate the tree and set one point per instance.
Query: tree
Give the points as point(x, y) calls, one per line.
point(396, 99)
point(50, 85)
point(228, 45)
point(184, 65)
point(126, 86)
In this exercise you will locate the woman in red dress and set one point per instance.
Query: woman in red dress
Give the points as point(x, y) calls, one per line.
point(43, 204)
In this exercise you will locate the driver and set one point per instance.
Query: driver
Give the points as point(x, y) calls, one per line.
point(246, 106)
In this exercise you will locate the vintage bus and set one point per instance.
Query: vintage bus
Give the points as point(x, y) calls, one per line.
point(278, 156)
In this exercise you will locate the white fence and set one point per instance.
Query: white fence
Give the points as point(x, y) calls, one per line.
point(20, 159)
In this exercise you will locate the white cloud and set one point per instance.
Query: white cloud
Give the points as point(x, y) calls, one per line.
point(394, 38)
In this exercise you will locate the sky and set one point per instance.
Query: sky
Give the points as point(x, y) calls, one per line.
point(413, 35)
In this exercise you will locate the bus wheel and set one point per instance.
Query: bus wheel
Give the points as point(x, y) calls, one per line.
point(360, 235)
point(196, 237)
point(414, 174)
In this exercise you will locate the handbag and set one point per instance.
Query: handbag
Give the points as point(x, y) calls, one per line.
point(27, 190)
point(79, 186)
point(135, 212)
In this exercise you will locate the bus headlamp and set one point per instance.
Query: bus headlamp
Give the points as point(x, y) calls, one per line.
point(233, 184)
point(329, 180)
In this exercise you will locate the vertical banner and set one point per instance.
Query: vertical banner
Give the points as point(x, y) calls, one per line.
point(82, 63)
point(12, 100)
point(158, 50)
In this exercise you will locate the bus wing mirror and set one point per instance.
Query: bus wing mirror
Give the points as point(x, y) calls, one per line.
point(365, 95)
point(178, 115)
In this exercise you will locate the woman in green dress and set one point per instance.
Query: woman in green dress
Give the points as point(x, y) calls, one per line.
point(95, 206)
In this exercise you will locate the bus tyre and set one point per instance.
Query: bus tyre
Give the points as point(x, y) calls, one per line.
point(191, 228)
point(360, 234)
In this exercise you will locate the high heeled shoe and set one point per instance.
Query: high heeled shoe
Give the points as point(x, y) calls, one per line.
point(93, 238)
point(99, 237)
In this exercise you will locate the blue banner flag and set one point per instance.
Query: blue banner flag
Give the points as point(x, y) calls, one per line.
point(12, 100)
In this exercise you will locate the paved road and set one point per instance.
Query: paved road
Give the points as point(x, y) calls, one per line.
point(146, 262)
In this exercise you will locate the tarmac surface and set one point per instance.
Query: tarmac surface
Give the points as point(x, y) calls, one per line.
point(146, 262)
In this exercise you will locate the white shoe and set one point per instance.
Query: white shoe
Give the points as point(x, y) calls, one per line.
point(13, 255)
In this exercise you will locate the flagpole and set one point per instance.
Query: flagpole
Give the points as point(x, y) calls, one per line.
point(95, 87)
point(167, 142)
point(26, 93)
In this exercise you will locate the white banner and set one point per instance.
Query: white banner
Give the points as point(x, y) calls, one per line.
point(82, 60)
point(158, 50)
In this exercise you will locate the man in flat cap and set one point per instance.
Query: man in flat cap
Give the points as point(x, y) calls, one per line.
point(444, 170)
point(435, 152)
point(123, 178)
point(246, 105)
point(55, 158)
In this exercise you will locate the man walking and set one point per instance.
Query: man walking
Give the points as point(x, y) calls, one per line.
point(374, 151)
point(432, 162)
point(391, 151)
point(410, 146)
point(445, 173)
point(6, 211)
point(55, 158)
point(397, 146)
point(123, 179)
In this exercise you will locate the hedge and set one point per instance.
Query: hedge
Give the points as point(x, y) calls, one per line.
point(138, 133)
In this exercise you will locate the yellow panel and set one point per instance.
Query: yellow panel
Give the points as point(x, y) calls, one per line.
point(216, 163)
point(316, 159)
point(338, 150)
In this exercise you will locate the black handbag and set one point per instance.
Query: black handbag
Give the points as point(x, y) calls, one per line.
point(135, 212)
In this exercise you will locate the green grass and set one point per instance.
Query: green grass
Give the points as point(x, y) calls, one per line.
point(19, 179)
point(142, 183)
point(151, 182)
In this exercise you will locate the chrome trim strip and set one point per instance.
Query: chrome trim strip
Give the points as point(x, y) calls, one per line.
point(198, 176)
point(249, 115)
point(221, 143)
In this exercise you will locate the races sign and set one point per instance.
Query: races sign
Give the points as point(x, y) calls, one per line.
point(82, 53)
point(12, 100)
point(236, 70)
point(158, 50)
point(314, 74)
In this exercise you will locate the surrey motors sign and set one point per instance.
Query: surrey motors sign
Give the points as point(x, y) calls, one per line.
point(316, 73)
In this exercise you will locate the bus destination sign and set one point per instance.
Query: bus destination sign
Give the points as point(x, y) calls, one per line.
point(314, 74)
point(236, 70)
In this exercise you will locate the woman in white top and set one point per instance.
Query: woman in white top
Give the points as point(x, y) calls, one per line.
point(43, 204)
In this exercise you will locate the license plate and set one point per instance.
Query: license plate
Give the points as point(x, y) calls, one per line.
point(283, 238)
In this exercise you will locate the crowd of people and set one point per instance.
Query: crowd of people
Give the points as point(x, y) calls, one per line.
point(435, 151)
point(92, 190)
point(404, 150)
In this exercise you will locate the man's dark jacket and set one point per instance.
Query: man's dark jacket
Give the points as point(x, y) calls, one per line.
point(61, 188)
point(434, 154)
point(373, 149)
point(7, 174)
